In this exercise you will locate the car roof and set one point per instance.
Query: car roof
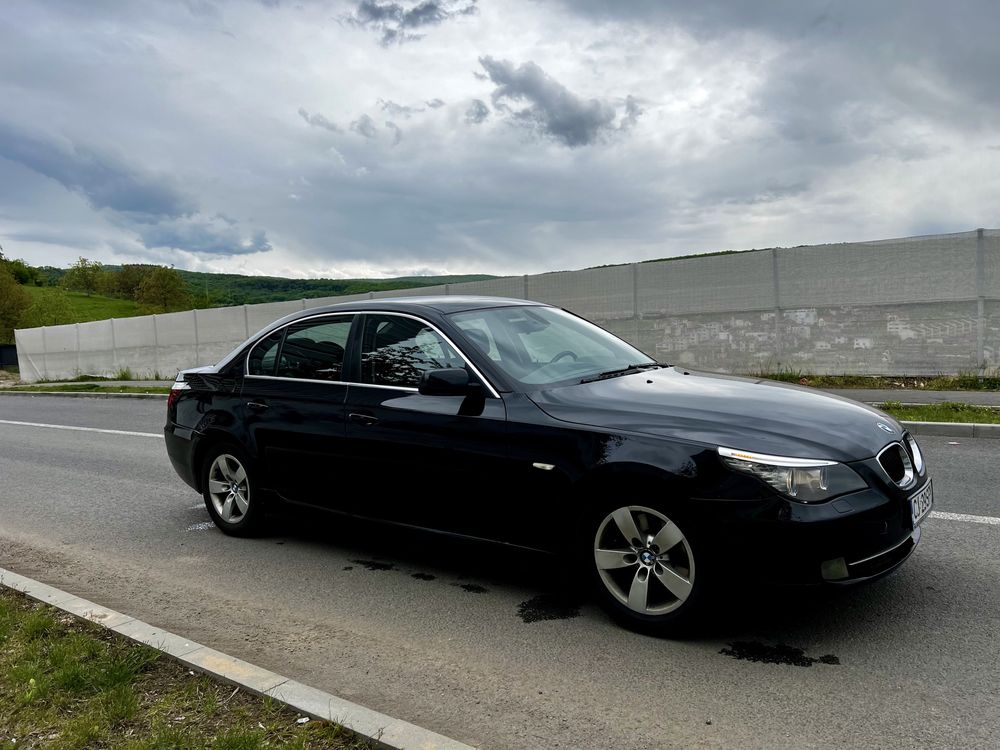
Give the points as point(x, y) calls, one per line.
point(444, 304)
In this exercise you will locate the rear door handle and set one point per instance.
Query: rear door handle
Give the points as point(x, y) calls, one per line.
point(363, 419)
point(256, 405)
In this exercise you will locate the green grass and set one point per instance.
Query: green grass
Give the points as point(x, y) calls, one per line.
point(84, 308)
point(89, 388)
point(944, 412)
point(66, 684)
point(960, 382)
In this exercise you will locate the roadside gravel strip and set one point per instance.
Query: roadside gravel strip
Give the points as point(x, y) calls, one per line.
point(385, 731)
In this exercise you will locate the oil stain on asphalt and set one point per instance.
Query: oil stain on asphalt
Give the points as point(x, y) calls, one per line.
point(472, 588)
point(374, 564)
point(422, 576)
point(548, 607)
point(777, 654)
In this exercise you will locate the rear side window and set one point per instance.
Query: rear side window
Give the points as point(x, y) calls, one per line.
point(314, 349)
point(264, 354)
point(397, 351)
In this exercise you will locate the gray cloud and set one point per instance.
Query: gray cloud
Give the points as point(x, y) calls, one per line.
point(397, 134)
point(317, 120)
point(552, 108)
point(477, 112)
point(435, 103)
point(141, 201)
point(396, 22)
point(365, 126)
point(217, 235)
point(105, 179)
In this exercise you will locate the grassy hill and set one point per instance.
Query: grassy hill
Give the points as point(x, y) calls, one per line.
point(84, 308)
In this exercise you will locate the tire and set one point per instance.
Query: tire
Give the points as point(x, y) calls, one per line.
point(229, 488)
point(649, 570)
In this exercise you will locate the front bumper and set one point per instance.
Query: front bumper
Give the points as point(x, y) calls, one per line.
point(854, 538)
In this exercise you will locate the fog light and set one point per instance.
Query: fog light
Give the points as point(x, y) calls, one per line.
point(834, 570)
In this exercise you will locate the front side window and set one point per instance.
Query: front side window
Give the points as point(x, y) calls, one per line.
point(264, 354)
point(397, 351)
point(537, 345)
point(314, 349)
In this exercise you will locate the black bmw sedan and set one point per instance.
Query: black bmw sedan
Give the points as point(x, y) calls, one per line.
point(521, 423)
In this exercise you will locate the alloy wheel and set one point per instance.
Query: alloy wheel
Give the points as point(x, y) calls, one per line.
point(644, 560)
point(229, 488)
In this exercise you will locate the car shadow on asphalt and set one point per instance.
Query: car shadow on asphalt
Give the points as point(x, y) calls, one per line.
point(553, 587)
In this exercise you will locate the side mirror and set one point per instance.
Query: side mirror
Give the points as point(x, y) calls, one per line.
point(451, 381)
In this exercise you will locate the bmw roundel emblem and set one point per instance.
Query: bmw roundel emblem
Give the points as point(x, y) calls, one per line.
point(885, 428)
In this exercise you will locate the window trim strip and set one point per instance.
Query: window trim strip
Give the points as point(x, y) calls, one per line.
point(355, 313)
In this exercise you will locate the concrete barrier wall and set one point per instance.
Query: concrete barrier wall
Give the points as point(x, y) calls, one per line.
point(915, 306)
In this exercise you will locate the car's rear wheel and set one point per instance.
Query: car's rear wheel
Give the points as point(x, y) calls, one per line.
point(648, 569)
point(230, 491)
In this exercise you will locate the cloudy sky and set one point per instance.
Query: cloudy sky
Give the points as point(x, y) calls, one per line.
point(387, 137)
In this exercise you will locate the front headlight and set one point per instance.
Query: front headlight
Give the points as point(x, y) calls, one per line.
point(806, 480)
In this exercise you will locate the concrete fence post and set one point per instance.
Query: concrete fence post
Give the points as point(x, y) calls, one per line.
point(526, 286)
point(45, 357)
point(246, 322)
point(447, 289)
point(156, 346)
point(304, 305)
point(114, 348)
point(635, 302)
point(980, 304)
point(197, 339)
point(777, 300)
point(79, 366)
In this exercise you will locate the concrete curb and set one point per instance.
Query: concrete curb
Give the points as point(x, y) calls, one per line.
point(81, 394)
point(383, 730)
point(954, 429)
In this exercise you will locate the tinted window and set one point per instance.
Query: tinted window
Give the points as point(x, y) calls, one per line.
point(397, 351)
point(314, 349)
point(265, 354)
point(545, 345)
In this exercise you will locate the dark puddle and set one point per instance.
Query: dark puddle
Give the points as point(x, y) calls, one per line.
point(778, 654)
point(374, 564)
point(548, 607)
point(472, 588)
point(422, 576)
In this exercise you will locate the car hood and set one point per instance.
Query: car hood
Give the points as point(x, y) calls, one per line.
point(753, 415)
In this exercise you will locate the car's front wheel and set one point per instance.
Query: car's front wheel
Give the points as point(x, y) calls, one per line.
point(647, 568)
point(230, 491)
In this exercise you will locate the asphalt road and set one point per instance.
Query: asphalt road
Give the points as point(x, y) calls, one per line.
point(491, 646)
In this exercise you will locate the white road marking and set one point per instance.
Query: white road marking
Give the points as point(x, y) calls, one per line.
point(82, 429)
point(992, 521)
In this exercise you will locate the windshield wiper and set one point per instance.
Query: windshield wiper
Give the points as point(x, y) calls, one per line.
point(639, 367)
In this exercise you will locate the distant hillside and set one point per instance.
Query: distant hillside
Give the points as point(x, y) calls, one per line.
point(232, 289)
point(224, 289)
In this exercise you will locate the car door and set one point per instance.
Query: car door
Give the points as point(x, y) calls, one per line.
point(416, 459)
point(293, 405)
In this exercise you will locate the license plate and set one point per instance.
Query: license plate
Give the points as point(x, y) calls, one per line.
point(921, 503)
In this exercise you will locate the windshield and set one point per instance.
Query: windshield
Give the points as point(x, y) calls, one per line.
point(544, 345)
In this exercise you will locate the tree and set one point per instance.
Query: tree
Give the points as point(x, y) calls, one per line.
point(13, 302)
point(164, 290)
point(52, 309)
point(83, 276)
point(130, 278)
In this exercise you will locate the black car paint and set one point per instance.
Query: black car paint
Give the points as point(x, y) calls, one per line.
point(469, 464)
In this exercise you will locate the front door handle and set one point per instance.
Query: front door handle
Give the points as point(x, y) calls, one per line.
point(256, 405)
point(364, 419)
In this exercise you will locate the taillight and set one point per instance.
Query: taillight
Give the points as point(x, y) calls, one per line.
point(175, 392)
